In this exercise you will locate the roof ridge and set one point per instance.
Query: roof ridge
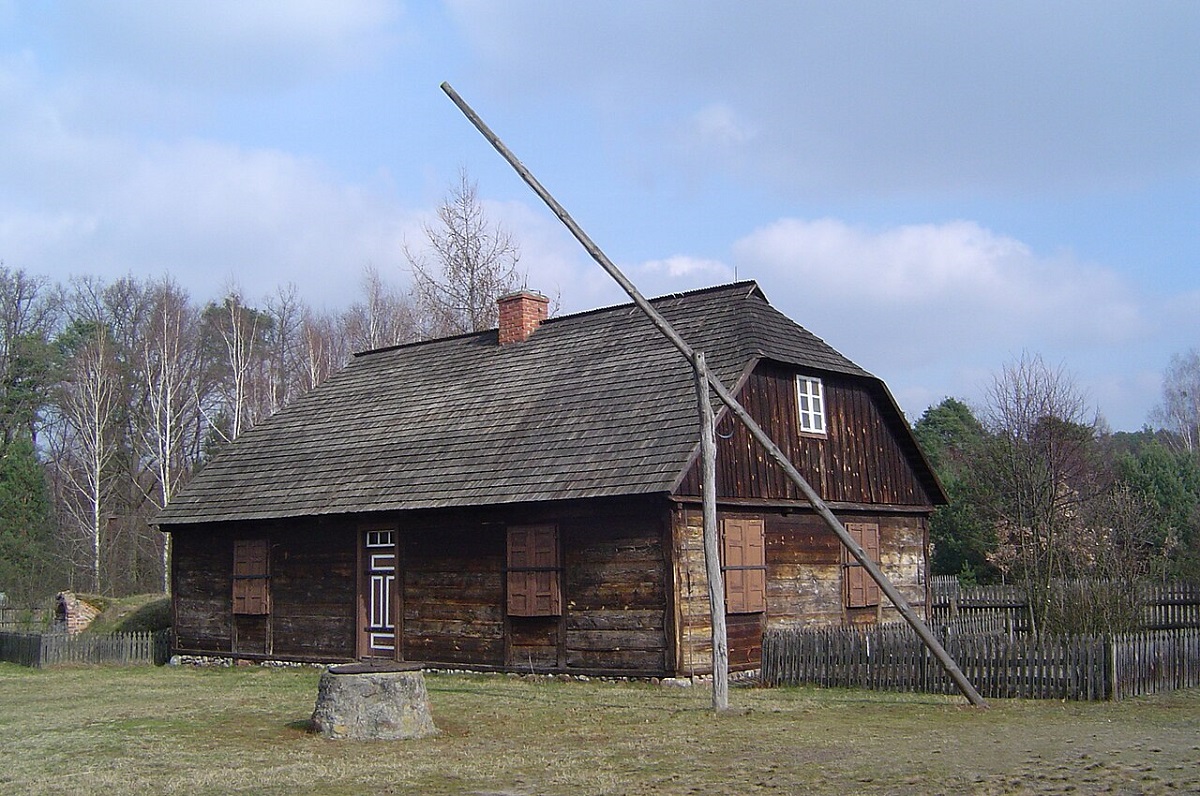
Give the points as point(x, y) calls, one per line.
point(728, 286)
point(748, 283)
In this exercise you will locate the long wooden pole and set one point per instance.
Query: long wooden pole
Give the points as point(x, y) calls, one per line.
point(778, 456)
point(712, 552)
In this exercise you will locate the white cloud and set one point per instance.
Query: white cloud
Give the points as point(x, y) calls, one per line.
point(948, 304)
point(719, 125)
point(934, 309)
point(690, 268)
point(957, 282)
point(229, 44)
point(209, 213)
point(876, 98)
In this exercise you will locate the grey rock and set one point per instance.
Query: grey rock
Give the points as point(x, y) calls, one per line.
point(373, 705)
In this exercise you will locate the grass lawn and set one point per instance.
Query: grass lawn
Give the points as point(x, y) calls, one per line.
point(244, 730)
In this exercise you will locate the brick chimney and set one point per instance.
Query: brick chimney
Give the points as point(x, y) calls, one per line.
point(520, 315)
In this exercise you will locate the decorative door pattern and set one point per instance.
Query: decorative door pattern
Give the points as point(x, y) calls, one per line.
point(380, 558)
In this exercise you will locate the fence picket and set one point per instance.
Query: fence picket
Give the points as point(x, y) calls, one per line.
point(51, 649)
point(891, 657)
point(1169, 606)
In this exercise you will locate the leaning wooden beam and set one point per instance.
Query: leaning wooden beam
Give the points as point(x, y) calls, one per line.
point(763, 439)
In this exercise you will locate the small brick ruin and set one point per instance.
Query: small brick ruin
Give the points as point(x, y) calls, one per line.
point(71, 614)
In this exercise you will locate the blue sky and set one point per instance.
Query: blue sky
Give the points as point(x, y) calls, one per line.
point(933, 187)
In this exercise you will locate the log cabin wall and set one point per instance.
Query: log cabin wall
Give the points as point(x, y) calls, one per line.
point(859, 460)
point(311, 584)
point(202, 592)
point(805, 579)
point(806, 576)
point(613, 583)
point(450, 589)
point(693, 620)
point(615, 590)
point(451, 579)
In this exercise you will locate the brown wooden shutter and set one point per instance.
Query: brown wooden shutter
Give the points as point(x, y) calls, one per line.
point(533, 571)
point(519, 557)
point(251, 594)
point(861, 590)
point(745, 565)
point(755, 556)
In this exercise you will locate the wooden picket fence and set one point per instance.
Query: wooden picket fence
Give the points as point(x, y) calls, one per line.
point(1148, 663)
point(1164, 606)
point(1000, 665)
point(1172, 606)
point(22, 618)
point(53, 649)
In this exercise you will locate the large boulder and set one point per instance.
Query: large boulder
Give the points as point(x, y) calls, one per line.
point(373, 701)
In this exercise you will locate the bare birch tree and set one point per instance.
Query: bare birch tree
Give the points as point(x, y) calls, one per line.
point(236, 330)
point(171, 367)
point(325, 347)
point(89, 402)
point(283, 350)
point(467, 264)
point(1180, 408)
point(382, 317)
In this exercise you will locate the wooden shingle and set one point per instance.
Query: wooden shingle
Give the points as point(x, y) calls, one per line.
point(591, 405)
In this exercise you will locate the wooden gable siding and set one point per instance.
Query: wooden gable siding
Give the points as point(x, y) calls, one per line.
point(805, 580)
point(858, 460)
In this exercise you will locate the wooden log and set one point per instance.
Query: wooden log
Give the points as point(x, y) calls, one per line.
point(712, 552)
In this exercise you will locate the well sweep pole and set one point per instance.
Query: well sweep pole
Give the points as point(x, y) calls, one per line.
point(778, 456)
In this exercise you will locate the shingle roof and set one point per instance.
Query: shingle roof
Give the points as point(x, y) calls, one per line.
point(594, 404)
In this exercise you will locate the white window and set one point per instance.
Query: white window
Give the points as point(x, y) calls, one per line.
point(810, 400)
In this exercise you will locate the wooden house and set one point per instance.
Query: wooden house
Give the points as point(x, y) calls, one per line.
point(527, 499)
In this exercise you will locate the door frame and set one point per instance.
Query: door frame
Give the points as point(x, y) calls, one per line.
point(370, 538)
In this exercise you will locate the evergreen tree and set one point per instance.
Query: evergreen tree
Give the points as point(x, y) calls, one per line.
point(962, 538)
point(1168, 478)
point(29, 567)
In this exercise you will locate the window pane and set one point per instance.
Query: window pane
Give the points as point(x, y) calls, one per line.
point(810, 405)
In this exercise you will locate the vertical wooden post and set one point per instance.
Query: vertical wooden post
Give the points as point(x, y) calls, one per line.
point(712, 551)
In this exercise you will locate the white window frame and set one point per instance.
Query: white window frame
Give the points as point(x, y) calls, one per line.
point(810, 404)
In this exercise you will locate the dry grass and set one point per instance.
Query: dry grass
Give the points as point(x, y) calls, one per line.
point(198, 731)
point(137, 613)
